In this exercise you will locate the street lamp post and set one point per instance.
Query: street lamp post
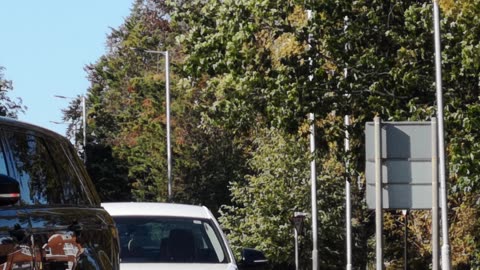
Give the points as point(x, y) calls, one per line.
point(84, 123)
point(167, 97)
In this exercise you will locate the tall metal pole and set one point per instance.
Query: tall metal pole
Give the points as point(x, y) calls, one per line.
point(405, 241)
point(313, 179)
point(378, 195)
point(313, 173)
point(441, 139)
point(296, 248)
point(434, 195)
point(169, 151)
point(167, 101)
point(348, 206)
point(84, 122)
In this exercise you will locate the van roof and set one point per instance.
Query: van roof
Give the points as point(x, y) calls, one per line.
point(156, 209)
point(11, 122)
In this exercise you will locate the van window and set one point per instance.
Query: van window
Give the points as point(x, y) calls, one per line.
point(45, 174)
point(3, 163)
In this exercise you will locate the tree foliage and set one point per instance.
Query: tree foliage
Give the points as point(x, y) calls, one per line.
point(265, 201)
point(262, 63)
point(126, 131)
point(8, 106)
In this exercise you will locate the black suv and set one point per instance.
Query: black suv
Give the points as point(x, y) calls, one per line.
point(50, 213)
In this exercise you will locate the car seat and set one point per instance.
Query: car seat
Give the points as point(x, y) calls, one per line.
point(181, 246)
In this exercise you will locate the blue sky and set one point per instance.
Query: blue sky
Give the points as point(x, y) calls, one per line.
point(44, 46)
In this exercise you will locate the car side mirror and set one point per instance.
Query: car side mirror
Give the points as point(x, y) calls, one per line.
point(9, 190)
point(253, 259)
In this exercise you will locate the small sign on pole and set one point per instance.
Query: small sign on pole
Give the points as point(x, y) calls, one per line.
point(297, 220)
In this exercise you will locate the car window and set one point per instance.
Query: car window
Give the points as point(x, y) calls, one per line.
point(44, 173)
point(217, 246)
point(3, 163)
point(169, 240)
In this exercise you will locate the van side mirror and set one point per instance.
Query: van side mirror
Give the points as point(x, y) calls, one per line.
point(253, 259)
point(9, 190)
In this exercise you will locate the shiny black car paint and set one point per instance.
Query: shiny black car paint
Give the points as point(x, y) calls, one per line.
point(57, 223)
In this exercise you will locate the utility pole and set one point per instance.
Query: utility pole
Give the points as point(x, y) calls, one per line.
point(84, 122)
point(348, 204)
point(441, 140)
point(405, 240)
point(313, 179)
point(167, 98)
point(435, 241)
point(313, 176)
point(378, 195)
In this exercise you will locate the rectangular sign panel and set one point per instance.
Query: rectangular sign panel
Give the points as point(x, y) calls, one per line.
point(406, 150)
point(402, 196)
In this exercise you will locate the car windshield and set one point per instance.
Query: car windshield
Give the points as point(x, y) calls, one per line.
point(169, 240)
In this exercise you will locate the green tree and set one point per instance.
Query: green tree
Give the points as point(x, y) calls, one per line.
point(249, 61)
point(125, 109)
point(8, 106)
point(126, 132)
point(209, 158)
point(277, 187)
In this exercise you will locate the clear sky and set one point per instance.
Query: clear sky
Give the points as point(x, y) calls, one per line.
point(44, 46)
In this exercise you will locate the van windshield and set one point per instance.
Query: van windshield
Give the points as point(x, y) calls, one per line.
point(169, 240)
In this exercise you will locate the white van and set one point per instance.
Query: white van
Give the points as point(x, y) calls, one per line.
point(174, 236)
